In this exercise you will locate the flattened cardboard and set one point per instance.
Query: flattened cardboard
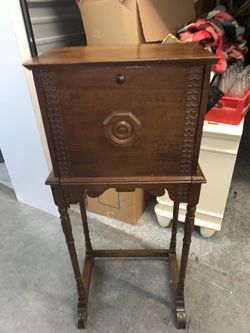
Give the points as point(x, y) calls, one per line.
point(116, 22)
point(161, 17)
point(111, 22)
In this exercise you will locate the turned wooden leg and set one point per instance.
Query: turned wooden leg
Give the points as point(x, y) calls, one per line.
point(89, 249)
point(172, 247)
point(83, 308)
point(188, 229)
point(82, 302)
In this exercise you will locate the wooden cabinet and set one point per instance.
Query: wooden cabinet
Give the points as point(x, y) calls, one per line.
point(124, 117)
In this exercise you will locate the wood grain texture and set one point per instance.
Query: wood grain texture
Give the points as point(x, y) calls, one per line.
point(125, 54)
point(98, 127)
point(83, 139)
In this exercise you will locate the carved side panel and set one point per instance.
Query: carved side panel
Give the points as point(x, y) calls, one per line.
point(193, 94)
point(52, 105)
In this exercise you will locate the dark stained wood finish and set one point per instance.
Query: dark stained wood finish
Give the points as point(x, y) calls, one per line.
point(174, 270)
point(152, 253)
point(131, 54)
point(203, 110)
point(172, 246)
point(80, 135)
point(66, 226)
point(124, 117)
point(88, 245)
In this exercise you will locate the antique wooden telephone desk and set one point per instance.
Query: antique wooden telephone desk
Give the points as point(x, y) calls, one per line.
point(124, 117)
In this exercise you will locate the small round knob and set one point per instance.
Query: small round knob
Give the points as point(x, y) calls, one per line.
point(120, 79)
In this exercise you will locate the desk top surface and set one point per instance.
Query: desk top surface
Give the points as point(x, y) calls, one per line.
point(134, 54)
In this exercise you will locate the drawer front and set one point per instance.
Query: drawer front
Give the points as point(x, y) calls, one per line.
point(124, 121)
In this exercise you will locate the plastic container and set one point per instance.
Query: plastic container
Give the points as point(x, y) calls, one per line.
point(229, 110)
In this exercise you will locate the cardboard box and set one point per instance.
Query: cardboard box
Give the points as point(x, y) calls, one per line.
point(111, 22)
point(114, 22)
point(124, 206)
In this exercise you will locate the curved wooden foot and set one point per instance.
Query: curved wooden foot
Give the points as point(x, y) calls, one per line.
point(180, 313)
point(82, 316)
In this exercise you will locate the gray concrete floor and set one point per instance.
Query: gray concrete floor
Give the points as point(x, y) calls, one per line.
point(37, 290)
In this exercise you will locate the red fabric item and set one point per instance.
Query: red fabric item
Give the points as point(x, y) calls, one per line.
point(210, 32)
point(225, 16)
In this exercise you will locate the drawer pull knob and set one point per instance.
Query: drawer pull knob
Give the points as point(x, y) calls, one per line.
point(120, 79)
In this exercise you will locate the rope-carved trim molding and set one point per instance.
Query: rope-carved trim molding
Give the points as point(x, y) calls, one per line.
point(190, 122)
point(52, 104)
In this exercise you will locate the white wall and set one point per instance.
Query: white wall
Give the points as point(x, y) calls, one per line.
point(20, 140)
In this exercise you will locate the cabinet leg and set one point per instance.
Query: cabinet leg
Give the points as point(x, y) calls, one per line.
point(172, 247)
point(82, 315)
point(188, 229)
point(180, 313)
point(89, 249)
point(82, 303)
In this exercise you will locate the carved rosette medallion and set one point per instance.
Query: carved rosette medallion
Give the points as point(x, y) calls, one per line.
point(121, 129)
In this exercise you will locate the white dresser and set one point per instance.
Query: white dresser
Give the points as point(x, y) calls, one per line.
point(219, 147)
